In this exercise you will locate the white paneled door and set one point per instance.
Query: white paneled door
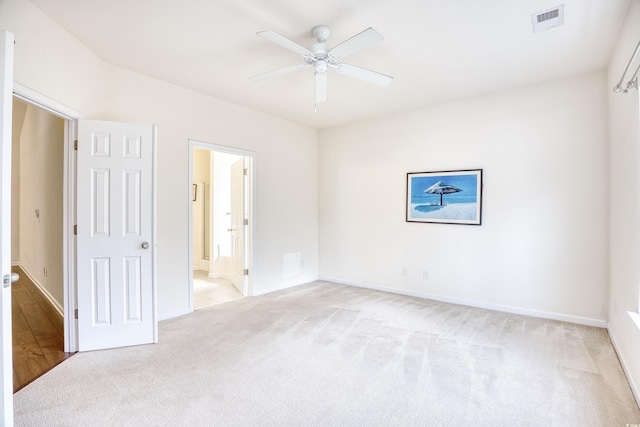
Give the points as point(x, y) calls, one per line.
point(115, 235)
point(6, 97)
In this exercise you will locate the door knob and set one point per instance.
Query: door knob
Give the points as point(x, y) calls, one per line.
point(145, 245)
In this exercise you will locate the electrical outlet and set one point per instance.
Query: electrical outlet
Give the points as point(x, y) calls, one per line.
point(425, 274)
point(404, 271)
point(44, 271)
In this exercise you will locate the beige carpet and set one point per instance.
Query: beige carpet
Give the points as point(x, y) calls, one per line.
point(324, 354)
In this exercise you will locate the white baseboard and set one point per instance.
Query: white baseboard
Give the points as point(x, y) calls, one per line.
point(59, 308)
point(174, 314)
point(479, 304)
point(634, 386)
point(301, 281)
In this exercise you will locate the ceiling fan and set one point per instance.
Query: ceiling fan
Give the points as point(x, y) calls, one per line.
point(321, 58)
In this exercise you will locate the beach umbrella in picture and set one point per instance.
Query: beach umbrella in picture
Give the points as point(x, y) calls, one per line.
point(442, 188)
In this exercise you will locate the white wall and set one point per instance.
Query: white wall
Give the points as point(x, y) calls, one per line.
point(51, 62)
point(624, 119)
point(19, 111)
point(41, 182)
point(45, 53)
point(542, 247)
point(287, 196)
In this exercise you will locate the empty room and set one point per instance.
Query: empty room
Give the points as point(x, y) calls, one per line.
point(427, 214)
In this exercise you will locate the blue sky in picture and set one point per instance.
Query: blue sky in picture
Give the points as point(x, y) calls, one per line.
point(467, 183)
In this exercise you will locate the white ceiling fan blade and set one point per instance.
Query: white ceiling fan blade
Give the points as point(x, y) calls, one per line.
point(364, 74)
point(274, 73)
point(321, 87)
point(284, 42)
point(356, 43)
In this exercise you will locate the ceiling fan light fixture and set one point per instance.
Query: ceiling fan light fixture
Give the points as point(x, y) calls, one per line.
point(321, 66)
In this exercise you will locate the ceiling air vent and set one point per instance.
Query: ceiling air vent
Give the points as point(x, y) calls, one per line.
point(548, 19)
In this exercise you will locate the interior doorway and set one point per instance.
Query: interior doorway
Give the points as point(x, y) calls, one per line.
point(69, 117)
point(220, 211)
point(37, 198)
point(37, 217)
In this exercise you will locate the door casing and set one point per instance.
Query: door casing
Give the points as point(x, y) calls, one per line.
point(6, 107)
point(69, 204)
point(238, 212)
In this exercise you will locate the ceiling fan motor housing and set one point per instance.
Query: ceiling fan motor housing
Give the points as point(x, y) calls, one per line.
point(320, 58)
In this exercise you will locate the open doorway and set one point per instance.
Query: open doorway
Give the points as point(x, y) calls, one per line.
point(37, 217)
point(220, 218)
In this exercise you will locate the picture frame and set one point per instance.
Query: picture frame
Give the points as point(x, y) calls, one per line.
point(446, 197)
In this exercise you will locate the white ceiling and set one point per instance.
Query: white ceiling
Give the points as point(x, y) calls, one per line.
point(436, 50)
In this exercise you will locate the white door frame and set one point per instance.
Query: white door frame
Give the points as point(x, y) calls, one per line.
point(249, 243)
point(69, 204)
point(6, 353)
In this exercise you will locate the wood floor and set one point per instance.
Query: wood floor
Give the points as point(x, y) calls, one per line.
point(38, 332)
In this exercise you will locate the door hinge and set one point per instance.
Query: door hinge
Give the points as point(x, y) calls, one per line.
point(75, 230)
point(75, 145)
point(245, 221)
point(245, 272)
point(245, 171)
point(75, 313)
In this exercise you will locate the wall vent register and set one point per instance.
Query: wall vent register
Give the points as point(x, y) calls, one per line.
point(548, 19)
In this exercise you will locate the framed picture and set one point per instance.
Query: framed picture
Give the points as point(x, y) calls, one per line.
point(448, 197)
